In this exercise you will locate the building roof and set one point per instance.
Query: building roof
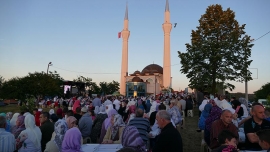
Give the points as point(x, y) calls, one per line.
point(153, 68)
point(136, 79)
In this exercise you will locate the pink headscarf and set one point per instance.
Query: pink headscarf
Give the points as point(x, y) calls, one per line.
point(107, 121)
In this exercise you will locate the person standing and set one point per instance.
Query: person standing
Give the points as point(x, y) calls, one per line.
point(46, 128)
point(169, 139)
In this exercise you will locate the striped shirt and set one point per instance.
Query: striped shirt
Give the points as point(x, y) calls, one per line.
point(7, 141)
point(143, 126)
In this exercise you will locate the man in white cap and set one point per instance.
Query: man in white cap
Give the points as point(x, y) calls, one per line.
point(85, 124)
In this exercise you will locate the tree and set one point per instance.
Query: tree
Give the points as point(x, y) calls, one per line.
point(2, 80)
point(85, 83)
point(219, 51)
point(33, 85)
point(109, 88)
point(263, 92)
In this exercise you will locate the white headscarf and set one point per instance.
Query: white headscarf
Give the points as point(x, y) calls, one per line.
point(27, 113)
point(32, 132)
point(51, 111)
point(108, 108)
point(14, 119)
point(102, 109)
point(117, 103)
point(96, 111)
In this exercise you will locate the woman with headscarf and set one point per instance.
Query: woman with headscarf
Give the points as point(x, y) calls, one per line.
point(30, 138)
point(236, 105)
point(148, 106)
point(8, 116)
point(131, 113)
point(114, 132)
point(51, 111)
point(131, 139)
point(244, 105)
point(71, 122)
point(215, 114)
point(72, 140)
point(96, 111)
point(55, 145)
point(77, 104)
point(19, 126)
point(108, 108)
point(13, 120)
point(97, 124)
point(204, 115)
point(106, 124)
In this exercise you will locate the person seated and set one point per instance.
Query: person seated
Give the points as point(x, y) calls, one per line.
point(55, 145)
point(114, 132)
point(224, 123)
point(30, 138)
point(7, 140)
point(236, 105)
point(264, 139)
point(251, 126)
point(72, 140)
point(142, 124)
point(131, 139)
point(228, 142)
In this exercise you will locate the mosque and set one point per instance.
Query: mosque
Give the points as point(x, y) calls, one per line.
point(153, 78)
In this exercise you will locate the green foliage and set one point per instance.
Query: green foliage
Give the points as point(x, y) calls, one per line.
point(103, 88)
point(219, 51)
point(29, 105)
point(109, 88)
point(263, 92)
point(33, 85)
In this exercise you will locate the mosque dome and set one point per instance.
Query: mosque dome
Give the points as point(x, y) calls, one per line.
point(137, 72)
point(137, 79)
point(153, 68)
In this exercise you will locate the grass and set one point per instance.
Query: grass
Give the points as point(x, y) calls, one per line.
point(191, 138)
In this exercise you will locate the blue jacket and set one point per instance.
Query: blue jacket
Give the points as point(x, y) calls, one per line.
point(85, 125)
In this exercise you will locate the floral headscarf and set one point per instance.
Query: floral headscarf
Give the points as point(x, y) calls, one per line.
point(118, 122)
point(20, 127)
point(60, 128)
point(131, 138)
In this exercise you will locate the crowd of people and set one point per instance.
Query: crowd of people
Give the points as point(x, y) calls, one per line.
point(139, 124)
point(223, 120)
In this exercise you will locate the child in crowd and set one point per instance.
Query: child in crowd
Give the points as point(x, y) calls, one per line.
point(227, 141)
point(264, 139)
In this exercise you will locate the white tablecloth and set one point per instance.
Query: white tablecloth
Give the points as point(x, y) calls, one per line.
point(252, 151)
point(101, 147)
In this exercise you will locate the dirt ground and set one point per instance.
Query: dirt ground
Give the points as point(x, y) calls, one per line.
point(191, 138)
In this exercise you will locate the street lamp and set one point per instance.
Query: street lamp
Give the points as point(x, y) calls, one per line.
point(50, 64)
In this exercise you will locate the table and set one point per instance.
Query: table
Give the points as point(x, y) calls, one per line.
point(253, 151)
point(101, 147)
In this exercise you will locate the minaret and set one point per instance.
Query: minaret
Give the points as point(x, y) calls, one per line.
point(124, 66)
point(167, 26)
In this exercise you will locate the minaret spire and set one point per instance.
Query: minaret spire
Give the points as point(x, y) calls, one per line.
point(124, 65)
point(126, 13)
point(167, 27)
point(167, 9)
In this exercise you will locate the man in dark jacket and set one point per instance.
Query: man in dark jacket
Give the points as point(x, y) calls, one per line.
point(169, 139)
point(46, 128)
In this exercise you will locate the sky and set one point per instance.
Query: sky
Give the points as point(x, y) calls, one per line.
point(80, 38)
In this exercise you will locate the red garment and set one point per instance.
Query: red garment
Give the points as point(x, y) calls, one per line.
point(37, 115)
point(119, 34)
point(76, 105)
